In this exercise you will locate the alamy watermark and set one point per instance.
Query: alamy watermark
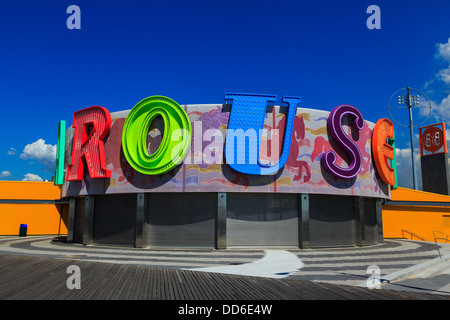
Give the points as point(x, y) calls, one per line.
point(74, 280)
point(374, 281)
point(208, 146)
point(74, 20)
point(374, 20)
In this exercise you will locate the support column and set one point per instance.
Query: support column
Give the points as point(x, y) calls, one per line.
point(221, 221)
point(71, 219)
point(88, 230)
point(358, 209)
point(141, 220)
point(303, 219)
point(379, 213)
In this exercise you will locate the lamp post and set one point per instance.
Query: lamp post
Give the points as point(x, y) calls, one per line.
point(411, 100)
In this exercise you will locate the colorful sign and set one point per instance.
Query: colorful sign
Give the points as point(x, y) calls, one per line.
point(246, 146)
point(247, 121)
point(433, 139)
point(59, 168)
point(383, 151)
point(91, 126)
point(134, 138)
point(344, 141)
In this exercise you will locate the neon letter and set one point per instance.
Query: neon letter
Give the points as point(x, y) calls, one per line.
point(382, 151)
point(335, 127)
point(91, 127)
point(59, 168)
point(170, 153)
point(247, 121)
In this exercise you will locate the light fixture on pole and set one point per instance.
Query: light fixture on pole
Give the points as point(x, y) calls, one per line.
point(409, 101)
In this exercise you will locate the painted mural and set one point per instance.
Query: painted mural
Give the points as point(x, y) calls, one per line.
point(205, 169)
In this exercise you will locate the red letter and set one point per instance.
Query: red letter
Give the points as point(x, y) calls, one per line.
point(89, 145)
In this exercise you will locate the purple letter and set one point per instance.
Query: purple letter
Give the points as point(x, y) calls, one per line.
point(335, 127)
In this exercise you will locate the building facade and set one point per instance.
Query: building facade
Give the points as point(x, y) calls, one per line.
point(245, 173)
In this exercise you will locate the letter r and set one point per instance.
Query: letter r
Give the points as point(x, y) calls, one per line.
point(91, 127)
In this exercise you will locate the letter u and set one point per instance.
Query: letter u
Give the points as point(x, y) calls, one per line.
point(247, 121)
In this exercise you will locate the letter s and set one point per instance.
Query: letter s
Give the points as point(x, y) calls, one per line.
point(335, 127)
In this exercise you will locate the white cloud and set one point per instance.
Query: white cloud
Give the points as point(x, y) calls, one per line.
point(11, 151)
point(5, 174)
point(444, 75)
point(443, 50)
point(43, 153)
point(32, 177)
point(404, 168)
point(440, 109)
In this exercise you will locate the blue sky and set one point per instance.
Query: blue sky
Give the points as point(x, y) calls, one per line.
point(195, 51)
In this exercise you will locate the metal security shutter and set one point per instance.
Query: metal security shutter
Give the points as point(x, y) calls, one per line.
point(262, 219)
point(331, 221)
point(181, 220)
point(370, 222)
point(115, 219)
point(78, 225)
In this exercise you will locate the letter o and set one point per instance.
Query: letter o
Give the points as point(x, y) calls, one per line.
point(134, 136)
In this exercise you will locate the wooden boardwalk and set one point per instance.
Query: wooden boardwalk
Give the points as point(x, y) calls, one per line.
point(33, 278)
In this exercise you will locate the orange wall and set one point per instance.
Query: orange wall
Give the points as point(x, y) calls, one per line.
point(421, 220)
point(30, 190)
point(40, 218)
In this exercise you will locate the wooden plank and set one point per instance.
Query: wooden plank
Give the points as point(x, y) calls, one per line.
point(214, 287)
point(180, 286)
point(143, 289)
point(195, 287)
point(29, 278)
point(107, 286)
point(117, 281)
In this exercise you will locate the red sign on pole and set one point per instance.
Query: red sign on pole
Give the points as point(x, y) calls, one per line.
point(433, 139)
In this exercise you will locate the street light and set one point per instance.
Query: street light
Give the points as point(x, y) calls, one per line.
point(411, 101)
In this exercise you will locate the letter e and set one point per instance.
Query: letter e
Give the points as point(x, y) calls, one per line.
point(382, 151)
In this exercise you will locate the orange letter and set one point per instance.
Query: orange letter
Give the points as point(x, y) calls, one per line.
point(382, 151)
